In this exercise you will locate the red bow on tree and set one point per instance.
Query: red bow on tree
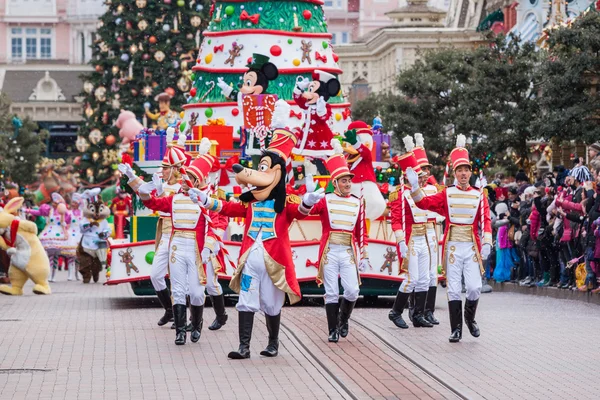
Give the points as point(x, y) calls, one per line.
point(219, 48)
point(385, 188)
point(295, 114)
point(244, 16)
point(298, 192)
point(320, 57)
point(346, 113)
point(227, 167)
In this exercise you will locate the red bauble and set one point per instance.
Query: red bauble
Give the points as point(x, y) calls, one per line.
point(120, 39)
point(249, 60)
point(307, 14)
point(110, 140)
point(275, 50)
point(152, 40)
point(134, 92)
point(77, 160)
point(193, 92)
point(145, 56)
point(235, 112)
point(335, 57)
point(170, 91)
point(99, 68)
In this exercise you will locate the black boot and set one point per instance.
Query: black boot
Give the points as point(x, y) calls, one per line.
point(470, 310)
point(197, 320)
point(180, 311)
point(219, 307)
point(395, 314)
point(333, 310)
point(430, 305)
point(273, 322)
point(246, 319)
point(419, 320)
point(411, 306)
point(346, 308)
point(164, 297)
point(455, 311)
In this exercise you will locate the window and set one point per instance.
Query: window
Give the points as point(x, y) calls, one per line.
point(37, 43)
point(335, 4)
point(333, 38)
point(344, 37)
point(340, 37)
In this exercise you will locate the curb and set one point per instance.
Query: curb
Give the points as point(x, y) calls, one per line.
point(556, 293)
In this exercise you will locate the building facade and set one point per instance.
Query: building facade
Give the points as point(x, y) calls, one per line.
point(44, 48)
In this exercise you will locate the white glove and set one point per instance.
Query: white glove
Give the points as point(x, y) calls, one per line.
point(158, 182)
point(147, 188)
point(303, 84)
point(312, 198)
point(413, 179)
point(486, 249)
point(364, 265)
point(11, 251)
point(198, 196)
point(403, 249)
point(205, 255)
point(321, 107)
point(126, 170)
point(225, 88)
point(310, 184)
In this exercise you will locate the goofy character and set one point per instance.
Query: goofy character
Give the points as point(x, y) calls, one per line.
point(265, 272)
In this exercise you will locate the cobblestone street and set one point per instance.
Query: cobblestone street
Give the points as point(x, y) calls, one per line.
point(99, 342)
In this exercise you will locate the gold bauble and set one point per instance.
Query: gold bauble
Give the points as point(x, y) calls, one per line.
point(142, 25)
point(115, 70)
point(89, 111)
point(147, 91)
point(95, 156)
point(133, 49)
point(120, 9)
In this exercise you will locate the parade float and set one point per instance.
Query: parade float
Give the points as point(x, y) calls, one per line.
point(253, 54)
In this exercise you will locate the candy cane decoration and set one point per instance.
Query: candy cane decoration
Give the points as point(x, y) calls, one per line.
point(361, 241)
point(446, 173)
point(481, 219)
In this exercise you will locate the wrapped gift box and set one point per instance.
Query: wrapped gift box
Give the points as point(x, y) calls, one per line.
point(258, 110)
point(378, 139)
point(156, 146)
point(223, 134)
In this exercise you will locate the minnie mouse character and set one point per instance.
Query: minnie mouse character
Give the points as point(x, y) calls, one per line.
point(312, 96)
point(255, 80)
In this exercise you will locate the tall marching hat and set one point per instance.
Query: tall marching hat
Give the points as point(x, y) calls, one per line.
point(202, 165)
point(337, 164)
point(175, 156)
point(419, 151)
point(408, 159)
point(282, 143)
point(460, 155)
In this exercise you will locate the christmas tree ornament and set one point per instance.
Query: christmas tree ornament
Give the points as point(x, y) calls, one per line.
point(116, 104)
point(167, 1)
point(208, 58)
point(229, 10)
point(180, 3)
point(118, 21)
point(335, 57)
point(166, 27)
point(125, 57)
point(159, 56)
point(120, 39)
point(235, 112)
point(170, 91)
point(296, 62)
point(184, 85)
point(82, 144)
point(133, 49)
point(88, 87)
point(152, 40)
point(208, 112)
point(195, 21)
point(141, 3)
point(115, 69)
point(275, 50)
point(103, 47)
point(306, 14)
point(100, 93)
point(142, 25)
point(110, 140)
point(192, 92)
point(338, 116)
point(134, 92)
point(89, 111)
point(95, 156)
point(145, 56)
point(296, 28)
point(120, 9)
point(325, 44)
point(128, 25)
point(99, 69)
point(95, 136)
point(290, 41)
point(218, 16)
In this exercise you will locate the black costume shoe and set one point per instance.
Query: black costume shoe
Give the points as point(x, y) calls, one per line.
point(197, 320)
point(455, 311)
point(430, 306)
point(246, 319)
point(419, 320)
point(346, 308)
point(179, 312)
point(395, 314)
point(219, 307)
point(333, 310)
point(411, 306)
point(470, 310)
point(273, 322)
point(164, 297)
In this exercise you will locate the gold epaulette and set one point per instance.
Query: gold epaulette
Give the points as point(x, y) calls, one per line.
point(221, 195)
point(440, 188)
point(293, 199)
point(394, 195)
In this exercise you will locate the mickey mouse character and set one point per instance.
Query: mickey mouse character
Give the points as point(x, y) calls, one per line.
point(255, 80)
point(312, 97)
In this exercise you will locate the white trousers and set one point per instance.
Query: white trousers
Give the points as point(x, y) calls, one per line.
point(183, 268)
point(213, 287)
point(160, 264)
point(419, 265)
point(257, 289)
point(462, 259)
point(433, 256)
point(340, 262)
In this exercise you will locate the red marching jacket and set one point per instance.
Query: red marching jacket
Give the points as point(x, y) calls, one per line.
point(363, 167)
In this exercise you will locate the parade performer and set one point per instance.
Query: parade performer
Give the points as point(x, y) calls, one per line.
point(468, 219)
point(360, 160)
point(343, 248)
point(186, 247)
point(175, 157)
point(312, 97)
point(255, 81)
point(121, 208)
point(165, 117)
point(265, 272)
point(434, 221)
point(54, 236)
point(92, 251)
point(74, 234)
point(410, 226)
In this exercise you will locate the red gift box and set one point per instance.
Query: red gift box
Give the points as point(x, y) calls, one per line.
point(258, 110)
point(222, 134)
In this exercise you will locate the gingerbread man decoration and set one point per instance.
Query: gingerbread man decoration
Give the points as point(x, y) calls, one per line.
point(390, 256)
point(234, 53)
point(127, 259)
point(306, 49)
point(192, 124)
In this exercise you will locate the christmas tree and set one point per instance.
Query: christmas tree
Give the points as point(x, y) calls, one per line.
point(144, 49)
point(290, 34)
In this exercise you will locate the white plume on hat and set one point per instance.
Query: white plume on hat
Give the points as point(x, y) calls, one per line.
point(461, 140)
point(181, 139)
point(408, 143)
point(336, 146)
point(419, 140)
point(204, 146)
point(170, 135)
point(281, 115)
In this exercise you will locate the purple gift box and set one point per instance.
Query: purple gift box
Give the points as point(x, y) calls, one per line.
point(156, 146)
point(378, 139)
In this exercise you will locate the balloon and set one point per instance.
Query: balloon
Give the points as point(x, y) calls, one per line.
point(150, 257)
